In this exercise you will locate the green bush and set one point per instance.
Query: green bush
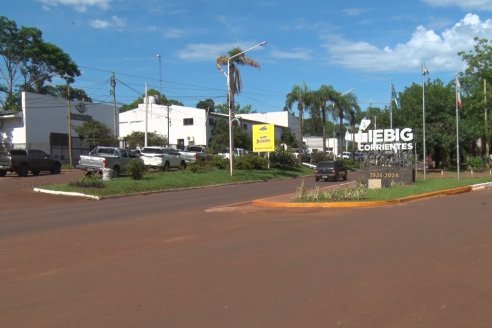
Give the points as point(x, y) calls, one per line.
point(220, 162)
point(250, 162)
point(89, 181)
point(283, 158)
point(136, 169)
point(475, 163)
point(319, 156)
point(357, 193)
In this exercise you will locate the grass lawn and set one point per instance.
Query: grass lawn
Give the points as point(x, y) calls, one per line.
point(423, 186)
point(160, 181)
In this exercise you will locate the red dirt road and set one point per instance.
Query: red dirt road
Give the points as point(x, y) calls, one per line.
point(154, 262)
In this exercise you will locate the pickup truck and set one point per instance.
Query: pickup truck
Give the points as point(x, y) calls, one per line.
point(21, 161)
point(162, 158)
point(106, 157)
point(194, 154)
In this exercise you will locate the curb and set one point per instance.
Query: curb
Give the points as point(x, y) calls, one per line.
point(286, 204)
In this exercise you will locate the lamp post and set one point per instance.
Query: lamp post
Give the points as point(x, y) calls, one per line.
point(229, 105)
point(341, 137)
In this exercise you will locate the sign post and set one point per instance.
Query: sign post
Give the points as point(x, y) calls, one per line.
point(264, 139)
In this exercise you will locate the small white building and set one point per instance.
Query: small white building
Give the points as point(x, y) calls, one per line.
point(186, 126)
point(43, 124)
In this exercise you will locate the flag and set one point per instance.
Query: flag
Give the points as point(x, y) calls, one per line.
point(394, 96)
point(425, 71)
point(458, 93)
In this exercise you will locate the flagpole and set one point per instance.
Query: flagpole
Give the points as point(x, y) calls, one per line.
point(424, 73)
point(457, 129)
point(391, 103)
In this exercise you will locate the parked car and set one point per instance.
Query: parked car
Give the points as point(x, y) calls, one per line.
point(237, 152)
point(162, 158)
point(306, 157)
point(333, 170)
point(101, 157)
point(22, 161)
point(345, 155)
point(193, 154)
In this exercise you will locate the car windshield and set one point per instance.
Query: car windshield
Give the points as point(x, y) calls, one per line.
point(152, 150)
point(326, 164)
point(18, 152)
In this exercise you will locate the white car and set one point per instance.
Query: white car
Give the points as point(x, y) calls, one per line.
point(345, 155)
point(237, 152)
point(162, 157)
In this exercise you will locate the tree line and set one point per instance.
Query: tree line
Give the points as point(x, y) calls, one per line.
point(31, 64)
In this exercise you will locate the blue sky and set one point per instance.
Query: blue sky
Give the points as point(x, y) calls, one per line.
point(346, 44)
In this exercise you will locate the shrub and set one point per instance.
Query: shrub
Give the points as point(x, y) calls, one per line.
point(283, 158)
point(359, 192)
point(220, 162)
point(250, 162)
point(199, 166)
point(136, 169)
point(89, 181)
point(475, 163)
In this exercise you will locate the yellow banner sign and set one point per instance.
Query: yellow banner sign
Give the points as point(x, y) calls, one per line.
point(263, 137)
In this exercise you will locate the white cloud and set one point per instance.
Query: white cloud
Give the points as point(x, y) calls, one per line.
point(173, 33)
point(210, 52)
point(463, 4)
point(439, 50)
point(115, 22)
point(295, 53)
point(78, 5)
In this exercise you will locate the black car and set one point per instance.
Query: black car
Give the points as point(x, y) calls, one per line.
point(330, 170)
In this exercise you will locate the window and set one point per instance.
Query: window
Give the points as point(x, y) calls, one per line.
point(187, 121)
point(211, 122)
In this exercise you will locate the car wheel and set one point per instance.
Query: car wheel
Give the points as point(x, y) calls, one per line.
point(56, 168)
point(165, 167)
point(182, 165)
point(23, 170)
point(116, 172)
point(35, 172)
point(3, 173)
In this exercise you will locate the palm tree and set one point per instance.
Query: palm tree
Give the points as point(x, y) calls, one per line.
point(325, 94)
point(346, 105)
point(301, 95)
point(235, 82)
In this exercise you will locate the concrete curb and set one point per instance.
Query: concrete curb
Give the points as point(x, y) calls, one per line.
point(270, 202)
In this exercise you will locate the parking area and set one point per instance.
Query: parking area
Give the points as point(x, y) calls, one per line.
point(18, 191)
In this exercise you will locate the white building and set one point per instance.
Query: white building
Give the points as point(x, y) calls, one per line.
point(43, 124)
point(193, 126)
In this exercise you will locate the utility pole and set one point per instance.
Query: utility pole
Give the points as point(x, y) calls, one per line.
point(486, 126)
point(115, 112)
point(69, 119)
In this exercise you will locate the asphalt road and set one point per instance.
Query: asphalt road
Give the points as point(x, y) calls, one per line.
point(207, 258)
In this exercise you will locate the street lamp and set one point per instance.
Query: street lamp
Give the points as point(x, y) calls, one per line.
point(341, 137)
point(229, 105)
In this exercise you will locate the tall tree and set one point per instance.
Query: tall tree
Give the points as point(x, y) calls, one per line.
point(474, 80)
point(29, 61)
point(326, 94)
point(300, 95)
point(235, 83)
point(151, 92)
point(207, 104)
point(345, 105)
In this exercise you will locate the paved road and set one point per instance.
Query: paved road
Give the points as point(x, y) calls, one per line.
point(183, 259)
